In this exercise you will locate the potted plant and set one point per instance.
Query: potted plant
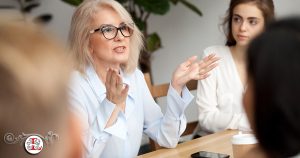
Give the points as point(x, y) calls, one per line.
point(25, 7)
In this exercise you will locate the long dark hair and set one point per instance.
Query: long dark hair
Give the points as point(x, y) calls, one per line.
point(266, 7)
point(274, 67)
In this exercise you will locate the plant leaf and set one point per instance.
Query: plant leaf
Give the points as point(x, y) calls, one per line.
point(7, 7)
point(174, 1)
point(191, 6)
point(139, 23)
point(29, 7)
point(122, 1)
point(73, 2)
point(160, 7)
point(153, 42)
point(45, 18)
point(29, 1)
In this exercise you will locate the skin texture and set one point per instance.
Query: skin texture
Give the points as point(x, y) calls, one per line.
point(247, 23)
point(248, 103)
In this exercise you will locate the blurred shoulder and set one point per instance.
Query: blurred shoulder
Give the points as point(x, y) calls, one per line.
point(77, 76)
point(78, 80)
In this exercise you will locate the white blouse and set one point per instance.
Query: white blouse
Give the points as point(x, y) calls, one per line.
point(219, 97)
point(142, 114)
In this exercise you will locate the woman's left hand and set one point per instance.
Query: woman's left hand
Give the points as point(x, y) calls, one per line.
point(192, 70)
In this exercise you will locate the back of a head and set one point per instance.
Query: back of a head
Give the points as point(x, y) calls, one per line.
point(274, 67)
point(33, 96)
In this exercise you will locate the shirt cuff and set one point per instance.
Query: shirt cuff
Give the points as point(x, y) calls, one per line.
point(103, 136)
point(103, 114)
point(176, 103)
point(119, 128)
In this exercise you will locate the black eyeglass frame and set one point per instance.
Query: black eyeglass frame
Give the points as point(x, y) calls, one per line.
point(129, 25)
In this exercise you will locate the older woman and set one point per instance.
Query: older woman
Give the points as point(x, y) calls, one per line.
point(110, 93)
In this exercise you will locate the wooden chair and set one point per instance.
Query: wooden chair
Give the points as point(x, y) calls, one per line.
point(161, 91)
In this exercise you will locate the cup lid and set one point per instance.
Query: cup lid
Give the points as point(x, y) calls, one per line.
point(243, 139)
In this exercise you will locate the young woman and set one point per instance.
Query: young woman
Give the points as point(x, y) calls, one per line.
point(219, 97)
point(110, 94)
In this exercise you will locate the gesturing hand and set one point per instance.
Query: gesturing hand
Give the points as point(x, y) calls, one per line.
point(192, 70)
point(115, 91)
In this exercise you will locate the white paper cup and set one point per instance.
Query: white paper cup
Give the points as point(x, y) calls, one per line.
point(242, 143)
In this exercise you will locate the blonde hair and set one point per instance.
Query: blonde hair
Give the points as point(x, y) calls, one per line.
point(80, 28)
point(34, 75)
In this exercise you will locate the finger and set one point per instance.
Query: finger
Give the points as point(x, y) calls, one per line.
point(119, 82)
point(113, 81)
point(192, 74)
point(108, 78)
point(194, 69)
point(208, 68)
point(209, 57)
point(201, 77)
point(203, 61)
point(107, 85)
point(189, 61)
point(209, 62)
point(213, 60)
point(125, 90)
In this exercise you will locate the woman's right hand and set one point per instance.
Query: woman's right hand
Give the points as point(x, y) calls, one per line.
point(115, 91)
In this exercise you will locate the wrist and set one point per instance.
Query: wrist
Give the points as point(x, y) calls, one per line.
point(177, 87)
point(121, 106)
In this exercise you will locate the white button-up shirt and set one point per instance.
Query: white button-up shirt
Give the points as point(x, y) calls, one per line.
point(142, 114)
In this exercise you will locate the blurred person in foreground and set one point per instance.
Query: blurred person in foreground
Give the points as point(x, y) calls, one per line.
point(34, 76)
point(272, 97)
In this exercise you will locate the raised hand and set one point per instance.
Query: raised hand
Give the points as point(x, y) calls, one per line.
point(115, 91)
point(193, 70)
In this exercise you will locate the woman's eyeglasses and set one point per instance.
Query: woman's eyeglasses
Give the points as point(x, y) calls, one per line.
point(110, 31)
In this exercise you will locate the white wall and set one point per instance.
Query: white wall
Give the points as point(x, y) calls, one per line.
point(61, 13)
point(183, 33)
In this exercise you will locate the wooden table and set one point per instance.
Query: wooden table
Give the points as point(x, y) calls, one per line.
point(219, 142)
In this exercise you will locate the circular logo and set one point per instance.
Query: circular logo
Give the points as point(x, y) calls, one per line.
point(34, 144)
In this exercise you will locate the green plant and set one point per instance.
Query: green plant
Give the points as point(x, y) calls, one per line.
point(140, 11)
point(25, 7)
